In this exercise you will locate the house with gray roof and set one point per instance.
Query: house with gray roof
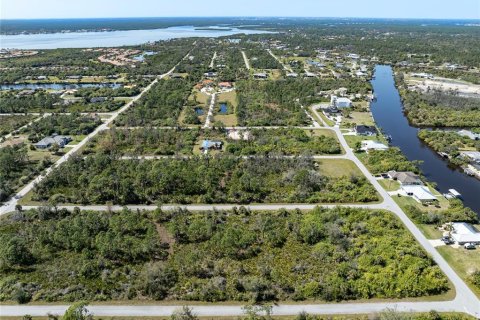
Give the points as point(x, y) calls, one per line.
point(47, 142)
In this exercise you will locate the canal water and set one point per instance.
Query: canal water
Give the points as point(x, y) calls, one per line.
point(388, 113)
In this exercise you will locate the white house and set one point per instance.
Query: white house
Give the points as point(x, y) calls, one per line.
point(419, 193)
point(465, 233)
point(340, 102)
point(373, 145)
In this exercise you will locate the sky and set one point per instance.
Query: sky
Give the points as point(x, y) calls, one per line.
point(431, 9)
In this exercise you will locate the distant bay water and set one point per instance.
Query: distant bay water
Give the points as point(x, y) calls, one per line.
point(113, 38)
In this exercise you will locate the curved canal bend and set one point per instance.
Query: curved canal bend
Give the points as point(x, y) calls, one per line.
point(388, 114)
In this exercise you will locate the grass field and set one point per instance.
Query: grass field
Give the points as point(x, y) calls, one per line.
point(463, 261)
point(338, 168)
point(230, 119)
point(364, 118)
point(389, 185)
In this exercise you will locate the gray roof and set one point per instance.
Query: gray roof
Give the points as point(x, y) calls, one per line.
point(405, 177)
point(48, 141)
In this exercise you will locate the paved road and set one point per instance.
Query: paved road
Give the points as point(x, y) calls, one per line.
point(230, 310)
point(279, 61)
point(247, 63)
point(213, 60)
point(209, 118)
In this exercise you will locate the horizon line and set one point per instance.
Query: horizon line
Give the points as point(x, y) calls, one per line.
point(244, 17)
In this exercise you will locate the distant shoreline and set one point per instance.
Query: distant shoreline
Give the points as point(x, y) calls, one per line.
point(50, 26)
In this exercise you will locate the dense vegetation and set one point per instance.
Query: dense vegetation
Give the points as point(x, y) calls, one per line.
point(291, 141)
point(260, 59)
point(449, 142)
point(455, 212)
point(439, 109)
point(41, 101)
point(271, 103)
point(331, 255)
point(102, 178)
point(11, 123)
point(62, 124)
point(160, 106)
point(144, 141)
point(380, 161)
point(16, 169)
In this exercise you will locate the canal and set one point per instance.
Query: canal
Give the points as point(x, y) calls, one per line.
point(388, 113)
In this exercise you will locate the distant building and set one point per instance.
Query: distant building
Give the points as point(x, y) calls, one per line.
point(98, 99)
point(363, 130)
point(309, 74)
point(469, 134)
point(225, 85)
point(473, 156)
point(210, 74)
point(406, 178)
point(419, 193)
point(211, 145)
point(260, 75)
point(47, 142)
point(292, 75)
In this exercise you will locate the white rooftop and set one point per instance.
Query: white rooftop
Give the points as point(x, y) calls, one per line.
point(464, 232)
point(375, 145)
point(419, 192)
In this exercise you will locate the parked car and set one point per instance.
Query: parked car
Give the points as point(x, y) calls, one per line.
point(447, 240)
point(469, 246)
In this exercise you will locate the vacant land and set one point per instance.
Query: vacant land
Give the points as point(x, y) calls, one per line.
point(271, 103)
point(144, 141)
point(11, 123)
point(328, 255)
point(161, 106)
point(102, 178)
point(465, 263)
point(18, 167)
point(62, 124)
point(289, 141)
point(228, 117)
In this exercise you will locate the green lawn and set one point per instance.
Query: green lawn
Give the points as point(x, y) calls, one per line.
point(389, 185)
point(338, 168)
point(463, 261)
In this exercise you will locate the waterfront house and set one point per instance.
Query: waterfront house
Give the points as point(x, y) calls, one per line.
point(340, 102)
point(405, 178)
point(419, 193)
point(473, 156)
point(464, 233)
point(368, 145)
point(362, 130)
